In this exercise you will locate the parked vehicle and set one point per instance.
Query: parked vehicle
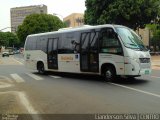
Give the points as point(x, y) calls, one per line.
point(11, 49)
point(5, 53)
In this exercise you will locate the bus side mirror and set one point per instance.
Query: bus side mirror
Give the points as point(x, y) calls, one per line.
point(76, 46)
point(73, 41)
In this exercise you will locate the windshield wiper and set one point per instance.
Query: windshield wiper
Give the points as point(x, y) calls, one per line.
point(132, 44)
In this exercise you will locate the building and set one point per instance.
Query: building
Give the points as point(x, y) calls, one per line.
point(18, 14)
point(145, 35)
point(74, 20)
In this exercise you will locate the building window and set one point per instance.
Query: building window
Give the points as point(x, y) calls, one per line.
point(41, 11)
point(79, 21)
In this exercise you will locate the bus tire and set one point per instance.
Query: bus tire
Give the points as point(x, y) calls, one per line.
point(110, 74)
point(40, 68)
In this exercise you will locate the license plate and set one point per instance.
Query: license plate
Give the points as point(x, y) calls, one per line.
point(146, 72)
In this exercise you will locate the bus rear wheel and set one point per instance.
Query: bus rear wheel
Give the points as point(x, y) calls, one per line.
point(40, 68)
point(109, 74)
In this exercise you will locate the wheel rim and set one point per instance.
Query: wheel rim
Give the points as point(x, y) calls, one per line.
point(108, 74)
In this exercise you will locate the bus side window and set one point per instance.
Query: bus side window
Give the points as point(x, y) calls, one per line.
point(75, 46)
point(85, 41)
point(41, 44)
point(31, 43)
point(110, 42)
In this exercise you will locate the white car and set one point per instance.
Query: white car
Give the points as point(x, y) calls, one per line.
point(5, 53)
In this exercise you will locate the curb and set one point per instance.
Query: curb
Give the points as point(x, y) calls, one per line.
point(156, 67)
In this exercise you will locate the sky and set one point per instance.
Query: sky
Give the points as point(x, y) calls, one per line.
point(62, 8)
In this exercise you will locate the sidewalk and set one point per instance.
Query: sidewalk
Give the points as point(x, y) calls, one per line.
point(155, 62)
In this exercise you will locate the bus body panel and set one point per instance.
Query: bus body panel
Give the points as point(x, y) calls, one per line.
point(33, 57)
point(116, 60)
point(69, 63)
point(137, 62)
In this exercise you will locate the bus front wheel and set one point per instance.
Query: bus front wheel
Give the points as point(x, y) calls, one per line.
point(40, 68)
point(109, 74)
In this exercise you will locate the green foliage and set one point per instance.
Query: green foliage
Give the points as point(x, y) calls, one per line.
point(155, 28)
point(8, 39)
point(155, 34)
point(38, 23)
point(152, 27)
point(131, 13)
point(3, 41)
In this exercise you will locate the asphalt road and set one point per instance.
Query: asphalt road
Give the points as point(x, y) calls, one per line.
point(26, 92)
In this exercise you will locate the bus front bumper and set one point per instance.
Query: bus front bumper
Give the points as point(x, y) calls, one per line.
point(145, 71)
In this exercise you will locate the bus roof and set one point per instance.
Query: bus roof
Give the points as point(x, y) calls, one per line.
point(70, 29)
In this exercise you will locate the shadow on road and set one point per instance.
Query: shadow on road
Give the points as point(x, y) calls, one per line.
point(129, 81)
point(97, 78)
point(75, 76)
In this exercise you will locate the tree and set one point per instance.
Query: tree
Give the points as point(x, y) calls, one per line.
point(3, 41)
point(8, 39)
point(38, 23)
point(131, 13)
point(155, 35)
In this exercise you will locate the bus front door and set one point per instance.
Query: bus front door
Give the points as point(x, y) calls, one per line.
point(52, 53)
point(89, 57)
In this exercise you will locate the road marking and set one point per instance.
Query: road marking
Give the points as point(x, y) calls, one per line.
point(17, 61)
point(4, 78)
point(141, 91)
point(55, 76)
point(4, 85)
point(17, 78)
point(155, 76)
point(34, 76)
point(28, 106)
point(25, 102)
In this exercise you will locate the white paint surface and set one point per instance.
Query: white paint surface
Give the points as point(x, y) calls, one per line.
point(25, 103)
point(55, 76)
point(5, 85)
point(141, 91)
point(17, 78)
point(18, 61)
point(34, 76)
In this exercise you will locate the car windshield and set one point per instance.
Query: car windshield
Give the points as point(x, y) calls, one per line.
point(130, 39)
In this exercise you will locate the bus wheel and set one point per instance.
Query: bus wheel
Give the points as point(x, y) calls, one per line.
point(40, 68)
point(109, 74)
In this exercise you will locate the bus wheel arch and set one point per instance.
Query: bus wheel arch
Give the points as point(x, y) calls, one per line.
point(40, 67)
point(108, 71)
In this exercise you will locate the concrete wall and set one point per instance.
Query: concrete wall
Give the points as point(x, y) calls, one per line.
point(18, 14)
point(74, 20)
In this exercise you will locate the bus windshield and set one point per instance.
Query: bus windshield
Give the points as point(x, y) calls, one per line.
point(130, 39)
